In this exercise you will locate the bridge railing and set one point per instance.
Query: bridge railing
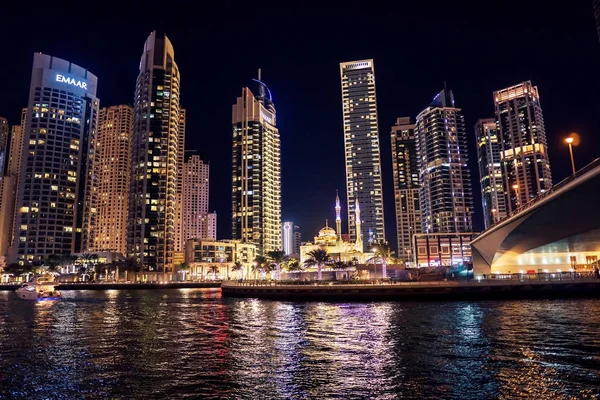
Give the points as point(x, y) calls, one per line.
point(542, 196)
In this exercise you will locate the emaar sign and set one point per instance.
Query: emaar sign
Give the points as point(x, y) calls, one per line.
point(71, 81)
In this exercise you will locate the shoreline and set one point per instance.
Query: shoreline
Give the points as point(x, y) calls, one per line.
point(407, 291)
point(124, 286)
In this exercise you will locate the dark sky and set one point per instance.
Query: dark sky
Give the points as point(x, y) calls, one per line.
point(476, 49)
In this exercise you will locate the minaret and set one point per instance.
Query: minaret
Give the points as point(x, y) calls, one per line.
point(359, 242)
point(338, 220)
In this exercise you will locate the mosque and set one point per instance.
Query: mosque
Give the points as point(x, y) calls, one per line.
point(331, 241)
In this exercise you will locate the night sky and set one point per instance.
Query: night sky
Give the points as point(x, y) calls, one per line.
point(475, 49)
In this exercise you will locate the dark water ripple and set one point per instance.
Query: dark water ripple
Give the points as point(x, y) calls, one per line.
point(194, 344)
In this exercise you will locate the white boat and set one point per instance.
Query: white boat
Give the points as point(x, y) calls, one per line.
point(38, 289)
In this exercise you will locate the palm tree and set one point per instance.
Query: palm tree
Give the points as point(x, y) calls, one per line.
point(214, 269)
point(258, 264)
point(278, 258)
point(131, 264)
point(53, 261)
point(318, 257)
point(382, 252)
point(238, 267)
point(183, 267)
point(19, 270)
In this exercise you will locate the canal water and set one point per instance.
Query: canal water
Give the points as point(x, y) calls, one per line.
point(192, 343)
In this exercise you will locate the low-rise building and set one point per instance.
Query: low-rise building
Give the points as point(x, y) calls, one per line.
point(442, 249)
point(203, 254)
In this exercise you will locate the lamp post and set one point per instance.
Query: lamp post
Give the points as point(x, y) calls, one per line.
point(517, 202)
point(569, 141)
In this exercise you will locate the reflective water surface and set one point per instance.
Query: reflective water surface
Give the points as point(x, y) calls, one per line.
point(194, 344)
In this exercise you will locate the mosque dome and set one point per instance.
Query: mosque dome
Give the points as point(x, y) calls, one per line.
point(326, 235)
point(327, 231)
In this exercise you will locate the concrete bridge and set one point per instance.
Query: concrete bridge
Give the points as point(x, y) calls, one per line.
point(557, 231)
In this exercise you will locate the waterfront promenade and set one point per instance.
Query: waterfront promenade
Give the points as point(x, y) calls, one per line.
point(124, 286)
point(564, 287)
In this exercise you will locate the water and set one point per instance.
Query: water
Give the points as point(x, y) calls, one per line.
point(194, 344)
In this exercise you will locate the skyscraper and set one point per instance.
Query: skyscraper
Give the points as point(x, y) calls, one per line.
point(58, 142)
point(4, 131)
point(256, 189)
point(105, 223)
point(406, 185)
point(524, 150)
point(490, 172)
point(195, 198)
point(445, 196)
point(154, 157)
point(361, 142)
point(179, 221)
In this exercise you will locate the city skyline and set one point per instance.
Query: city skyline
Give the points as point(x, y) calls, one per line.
point(306, 210)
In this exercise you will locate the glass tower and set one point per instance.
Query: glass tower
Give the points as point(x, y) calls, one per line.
point(361, 143)
point(154, 157)
point(58, 142)
point(524, 150)
point(490, 172)
point(406, 185)
point(256, 171)
point(445, 196)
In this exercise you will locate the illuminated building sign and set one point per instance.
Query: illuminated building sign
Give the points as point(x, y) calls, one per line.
point(266, 118)
point(71, 81)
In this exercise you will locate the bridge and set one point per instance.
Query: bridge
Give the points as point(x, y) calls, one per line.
point(557, 231)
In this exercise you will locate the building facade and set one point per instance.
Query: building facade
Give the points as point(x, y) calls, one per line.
point(209, 259)
point(493, 199)
point(4, 133)
point(195, 199)
point(287, 237)
point(445, 197)
point(361, 143)
point(443, 250)
point(406, 186)
point(524, 149)
point(105, 225)
point(57, 150)
point(179, 220)
point(154, 158)
point(256, 183)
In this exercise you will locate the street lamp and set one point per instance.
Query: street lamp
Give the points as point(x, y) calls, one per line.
point(569, 141)
point(516, 187)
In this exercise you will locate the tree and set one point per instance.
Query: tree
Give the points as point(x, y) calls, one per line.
point(382, 252)
point(318, 258)
point(278, 258)
point(53, 262)
point(183, 267)
point(238, 267)
point(16, 269)
point(214, 269)
point(294, 265)
point(258, 265)
point(131, 264)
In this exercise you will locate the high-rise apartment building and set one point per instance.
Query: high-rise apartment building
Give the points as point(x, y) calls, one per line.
point(361, 142)
point(195, 198)
point(493, 198)
point(154, 157)
point(406, 185)
point(297, 240)
point(58, 142)
point(524, 150)
point(445, 194)
point(179, 221)
point(105, 224)
point(256, 188)
point(4, 133)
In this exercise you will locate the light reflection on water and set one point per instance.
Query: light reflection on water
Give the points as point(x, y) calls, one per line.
point(192, 343)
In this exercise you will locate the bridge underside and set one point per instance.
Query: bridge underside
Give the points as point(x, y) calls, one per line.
point(562, 233)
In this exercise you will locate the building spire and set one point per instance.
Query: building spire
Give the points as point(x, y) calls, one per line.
point(326, 223)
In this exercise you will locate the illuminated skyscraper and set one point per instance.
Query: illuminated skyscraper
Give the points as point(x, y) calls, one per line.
point(406, 185)
point(58, 143)
point(490, 172)
point(154, 157)
point(4, 131)
point(524, 150)
point(179, 220)
point(361, 141)
point(196, 222)
point(256, 189)
point(105, 222)
point(445, 193)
